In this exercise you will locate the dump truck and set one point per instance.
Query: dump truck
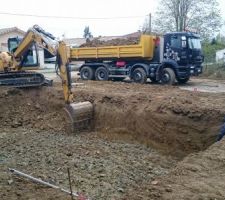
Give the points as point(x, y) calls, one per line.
point(173, 57)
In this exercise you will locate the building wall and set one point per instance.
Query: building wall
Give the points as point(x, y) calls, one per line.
point(4, 39)
point(41, 58)
point(220, 56)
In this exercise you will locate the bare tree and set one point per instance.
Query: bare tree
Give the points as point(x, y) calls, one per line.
point(87, 33)
point(202, 16)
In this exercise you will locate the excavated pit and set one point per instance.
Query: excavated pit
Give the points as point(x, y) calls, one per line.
point(138, 134)
point(173, 126)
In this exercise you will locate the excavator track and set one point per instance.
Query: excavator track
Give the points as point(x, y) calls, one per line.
point(21, 79)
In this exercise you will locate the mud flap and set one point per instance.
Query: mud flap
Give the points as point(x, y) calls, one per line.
point(79, 116)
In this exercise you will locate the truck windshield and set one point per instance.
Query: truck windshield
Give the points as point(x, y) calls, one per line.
point(194, 43)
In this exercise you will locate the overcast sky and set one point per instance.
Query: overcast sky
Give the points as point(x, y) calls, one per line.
point(133, 11)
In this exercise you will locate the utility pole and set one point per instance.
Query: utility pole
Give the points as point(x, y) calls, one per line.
point(150, 23)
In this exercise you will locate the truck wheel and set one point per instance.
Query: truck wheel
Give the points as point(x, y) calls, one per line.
point(101, 74)
point(87, 73)
point(139, 76)
point(183, 80)
point(168, 76)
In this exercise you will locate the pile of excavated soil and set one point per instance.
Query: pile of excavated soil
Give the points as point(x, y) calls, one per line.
point(114, 42)
point(40, 109)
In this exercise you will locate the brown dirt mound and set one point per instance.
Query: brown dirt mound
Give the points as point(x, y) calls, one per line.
point(39, 109)
point(114, 42)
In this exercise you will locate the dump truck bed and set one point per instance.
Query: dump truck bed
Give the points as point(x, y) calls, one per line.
point(145, 49)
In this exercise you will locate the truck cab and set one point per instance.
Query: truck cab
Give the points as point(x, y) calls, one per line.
point(182, 52)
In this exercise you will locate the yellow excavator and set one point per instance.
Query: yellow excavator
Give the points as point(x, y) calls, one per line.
point(12, 73)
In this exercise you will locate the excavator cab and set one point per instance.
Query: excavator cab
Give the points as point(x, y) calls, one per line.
point(30, 59)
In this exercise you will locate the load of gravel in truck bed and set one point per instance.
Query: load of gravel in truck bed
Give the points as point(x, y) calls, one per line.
point(97, 42)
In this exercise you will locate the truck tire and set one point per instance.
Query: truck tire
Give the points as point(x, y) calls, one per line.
point(183, 80)
point(168, 76)
point(87, 73)
point(139, 75)
point(101, 74)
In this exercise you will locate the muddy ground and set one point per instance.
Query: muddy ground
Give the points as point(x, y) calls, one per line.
point(147, 142)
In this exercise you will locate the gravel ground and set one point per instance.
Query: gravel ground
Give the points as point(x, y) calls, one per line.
point(99, 168)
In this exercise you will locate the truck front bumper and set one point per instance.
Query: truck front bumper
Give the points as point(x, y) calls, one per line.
point(195, 70)
point(187, 71)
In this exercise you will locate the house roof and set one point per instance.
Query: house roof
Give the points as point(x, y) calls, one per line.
point(75, 41)
point(8, 30)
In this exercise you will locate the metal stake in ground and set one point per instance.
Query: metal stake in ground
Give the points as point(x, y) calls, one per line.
point(71, 192)
point(18, 173)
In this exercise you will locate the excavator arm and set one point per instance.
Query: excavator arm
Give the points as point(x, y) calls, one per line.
point(64, 71)
point(57, 48)
point(41, 38)
point(79, 114)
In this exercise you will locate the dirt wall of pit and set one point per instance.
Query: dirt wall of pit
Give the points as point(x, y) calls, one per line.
point(176, 127)
point(170, 133)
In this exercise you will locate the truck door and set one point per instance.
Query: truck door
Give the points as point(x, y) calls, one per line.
point(175, 47)
point(195, 50)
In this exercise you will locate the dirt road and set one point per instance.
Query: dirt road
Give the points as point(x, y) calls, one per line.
point(195, 84)
point(205, 85)
point(147, 142)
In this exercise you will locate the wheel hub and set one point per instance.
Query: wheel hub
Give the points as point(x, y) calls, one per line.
point(138, 76)
point(86, 74)
point(102, 75)
point(165, 77)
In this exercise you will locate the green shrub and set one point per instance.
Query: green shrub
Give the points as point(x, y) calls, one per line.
point(216, 71)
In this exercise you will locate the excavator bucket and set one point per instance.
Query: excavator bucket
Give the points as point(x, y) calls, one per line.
point(79, 115)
